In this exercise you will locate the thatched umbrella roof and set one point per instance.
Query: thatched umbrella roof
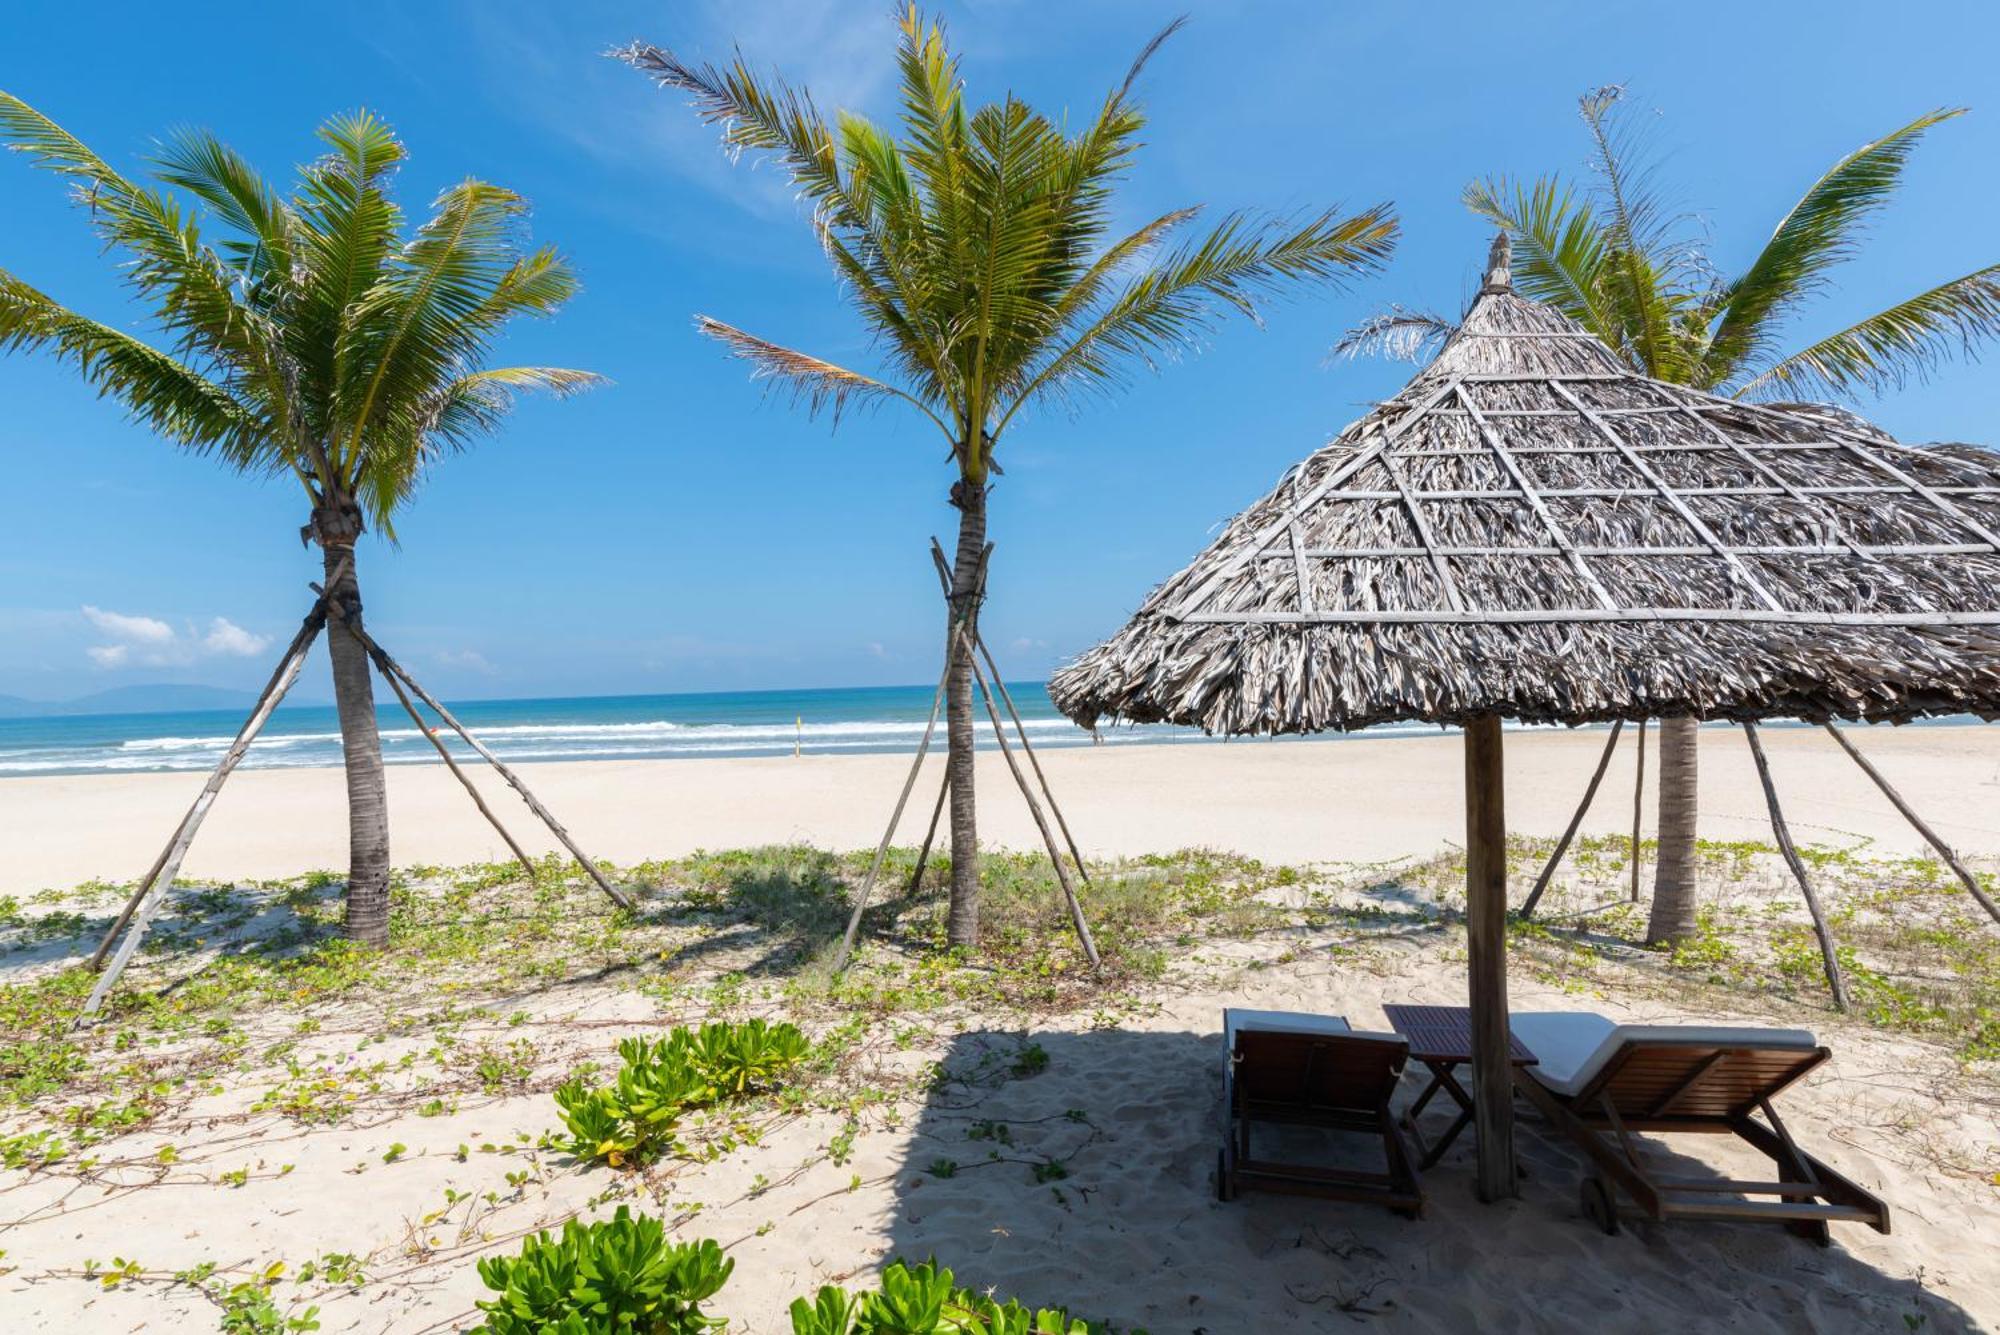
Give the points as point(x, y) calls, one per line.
point(1534, 531)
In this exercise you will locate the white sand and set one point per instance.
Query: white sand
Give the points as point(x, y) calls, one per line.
point(1133, 1233)
point(1356, 799)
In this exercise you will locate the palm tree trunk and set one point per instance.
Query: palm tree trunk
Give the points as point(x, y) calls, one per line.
point(336, 527)
point(1673, 880)
point(962, 926)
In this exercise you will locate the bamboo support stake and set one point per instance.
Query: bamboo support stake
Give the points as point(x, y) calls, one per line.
point(146, 903)
point(1562, 844)
point(132, 903)
point(930, 836)
point(308, 629)
point(1931, 836)
point(1041, 821)
point(1021, 730)
point(895, 817)
point(1784, 835)
point(444, 754)
point(389, 665)
point(1638, 809)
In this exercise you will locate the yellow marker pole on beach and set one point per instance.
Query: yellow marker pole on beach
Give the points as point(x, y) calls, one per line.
point(798, 737)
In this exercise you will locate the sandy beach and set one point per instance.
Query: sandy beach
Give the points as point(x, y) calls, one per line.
point(373, 1142)
point(1356, 799)
point(376, 1139)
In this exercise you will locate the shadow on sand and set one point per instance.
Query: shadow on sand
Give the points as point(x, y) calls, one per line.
point(1078, 1169)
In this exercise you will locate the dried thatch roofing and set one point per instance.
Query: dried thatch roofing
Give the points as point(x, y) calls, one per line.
point(1532, 530)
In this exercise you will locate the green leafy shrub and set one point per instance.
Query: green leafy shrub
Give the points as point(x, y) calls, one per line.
point(736, 1058)
point(632, 1120)
point(924, 1301)
point(614, 1277)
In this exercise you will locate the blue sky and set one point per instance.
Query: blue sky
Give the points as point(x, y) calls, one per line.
point(678, 531)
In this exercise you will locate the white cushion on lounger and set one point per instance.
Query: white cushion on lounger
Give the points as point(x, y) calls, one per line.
point(1236, 1021)
point(1573, 1046)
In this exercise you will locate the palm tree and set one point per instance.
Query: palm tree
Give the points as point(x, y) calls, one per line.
point(1614, 260)
point(311, 339)
point(976, 250)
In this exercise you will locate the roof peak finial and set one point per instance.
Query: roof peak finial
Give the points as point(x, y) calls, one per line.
point(1499, 261)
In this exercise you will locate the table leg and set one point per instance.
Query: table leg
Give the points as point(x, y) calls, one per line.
point(1441, 1079)
point(1409, 1120)
point(1449, 1083)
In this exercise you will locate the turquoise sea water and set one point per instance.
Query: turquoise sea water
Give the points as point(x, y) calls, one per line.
point(629, 727)
point(616, 727)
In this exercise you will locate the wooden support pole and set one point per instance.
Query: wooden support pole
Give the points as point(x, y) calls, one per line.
point(308, 629)
point(1638, 809)
point(1021, 730)
point(444, 754)
point(895, 817)
point(930, 836)
point(390, 667)
point(1041, 821)
point(1486, 953)
point(1562, 844)
point(1944, 851)
point(147, 901)
point(1828, 957)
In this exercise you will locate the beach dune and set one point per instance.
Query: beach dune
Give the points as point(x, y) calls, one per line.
point(1357, 799)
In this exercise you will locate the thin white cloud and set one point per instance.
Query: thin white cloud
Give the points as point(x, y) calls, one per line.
point(469, 659)
point(132, 629)
point(143, 641)
point(226, 637)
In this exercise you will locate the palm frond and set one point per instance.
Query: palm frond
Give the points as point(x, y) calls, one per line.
point(166, 394)
point(313, 321)
point(348, 224)
point(1400, 335)
point(428, 311)
point(760, 114)
point(1893, 346)
point(475, 404)
point(1821, 231)
point(1639, 257)
point(1560, 248)
point(197, 299)
point(211, 171)
point(819, 385)
point(54, 148)
point(934, 116)
point(1116, 260)
point(1145, 56)
point(1161, 312)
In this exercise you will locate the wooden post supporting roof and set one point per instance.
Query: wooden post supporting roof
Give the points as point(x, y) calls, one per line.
point(1486, 951)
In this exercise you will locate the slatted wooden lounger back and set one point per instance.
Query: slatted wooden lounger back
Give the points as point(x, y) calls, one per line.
point(1704, 1083)
point(1316, 1074)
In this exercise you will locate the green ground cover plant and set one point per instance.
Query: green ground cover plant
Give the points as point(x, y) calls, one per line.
point(631, 1120)
point(926, 1301)
point(618, 1276)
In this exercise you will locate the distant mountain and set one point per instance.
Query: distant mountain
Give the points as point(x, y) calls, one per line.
point(159, 698)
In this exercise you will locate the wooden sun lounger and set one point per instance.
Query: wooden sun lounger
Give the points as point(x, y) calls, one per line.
point(1312, 1070)
point(1602, 1084)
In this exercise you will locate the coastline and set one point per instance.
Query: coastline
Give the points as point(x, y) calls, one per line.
point(1351, 799)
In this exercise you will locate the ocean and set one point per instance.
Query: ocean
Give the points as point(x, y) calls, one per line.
point(838, 721)
point(625, 727)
